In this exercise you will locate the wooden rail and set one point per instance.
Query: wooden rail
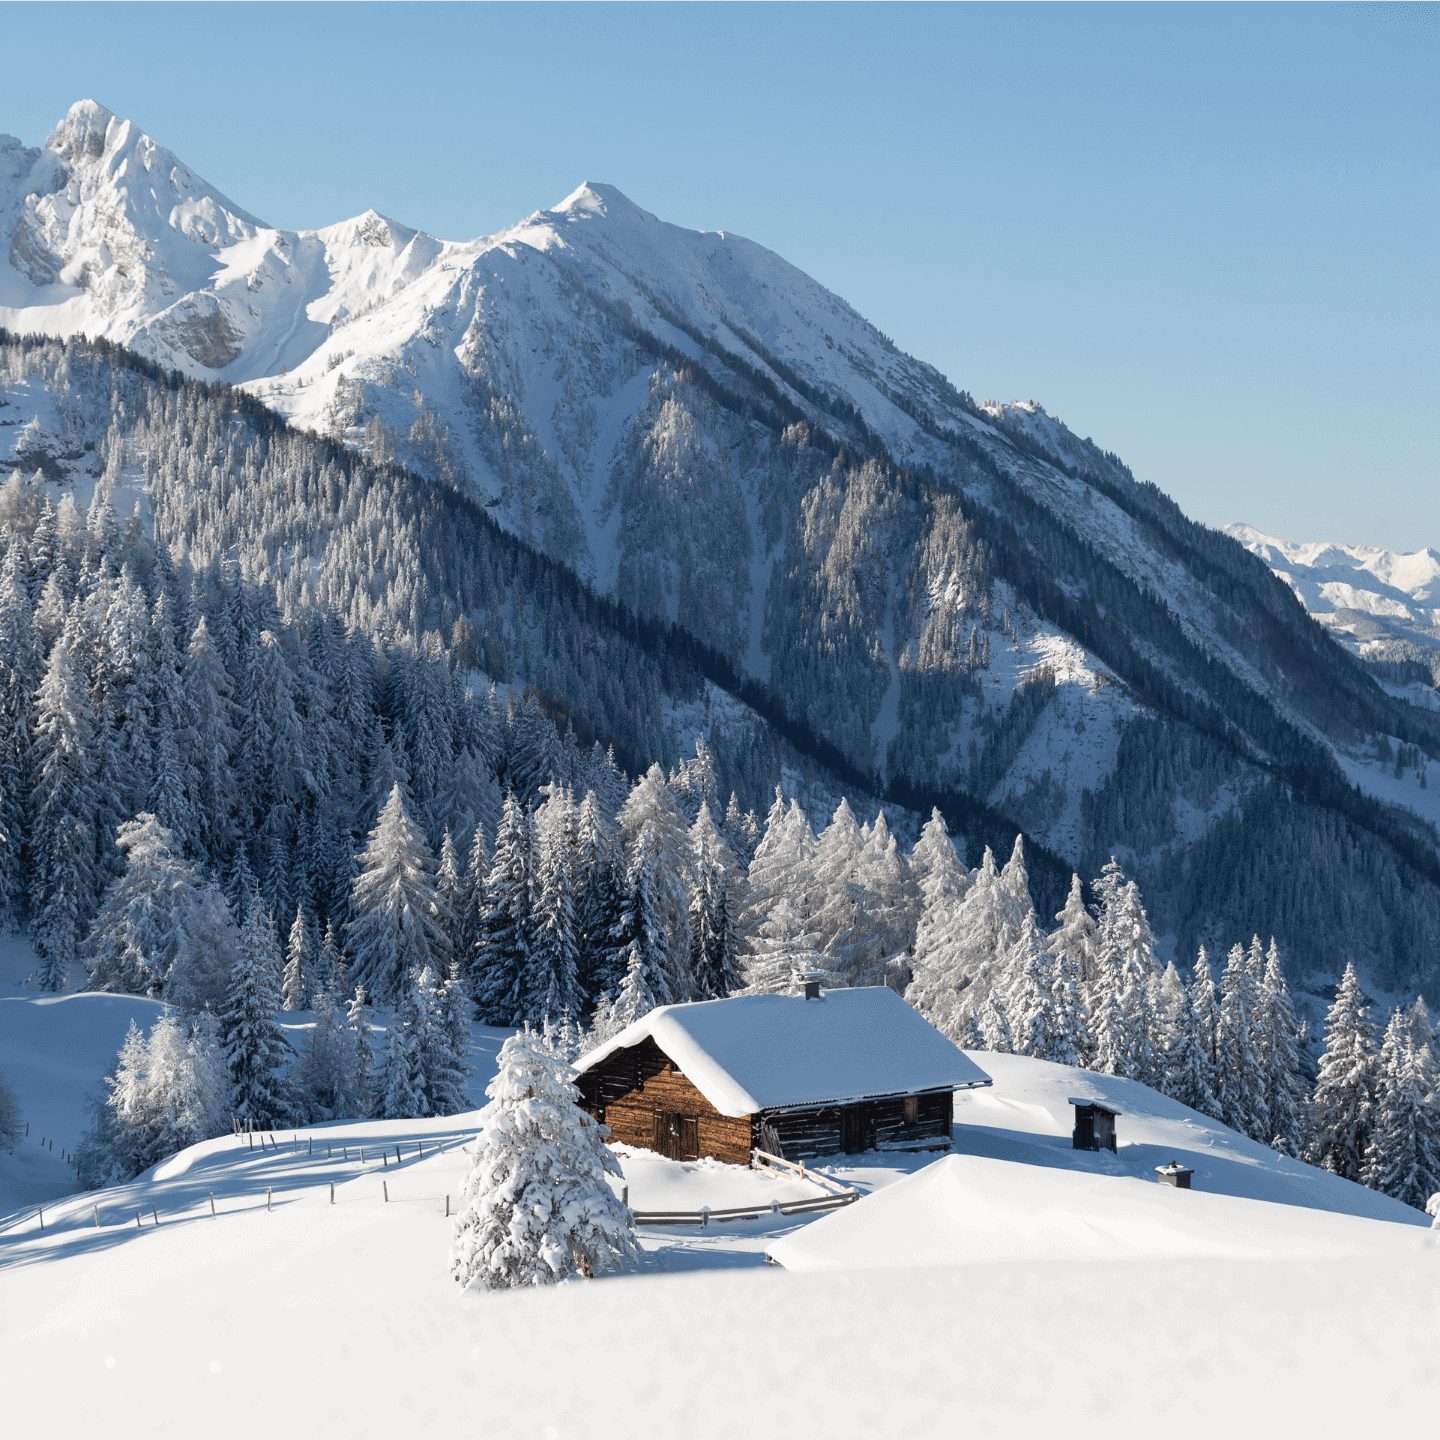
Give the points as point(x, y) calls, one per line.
point(705, 1215)
point(815, 1177)
point(839, 1195)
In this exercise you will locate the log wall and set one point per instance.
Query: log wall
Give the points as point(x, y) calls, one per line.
point(872, 1125)
point(634, 1086)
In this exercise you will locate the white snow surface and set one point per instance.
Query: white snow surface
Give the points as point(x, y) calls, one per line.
point(339, 1319)
point(972, 1210)
point(756, 1052)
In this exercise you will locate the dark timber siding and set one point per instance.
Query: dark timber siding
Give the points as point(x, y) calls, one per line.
point(634, 1088)
point(866, 1125)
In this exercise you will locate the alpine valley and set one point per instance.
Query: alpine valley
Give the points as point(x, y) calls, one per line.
point(678, 488)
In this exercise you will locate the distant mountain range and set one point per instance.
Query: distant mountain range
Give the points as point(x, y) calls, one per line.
point(956, 596)
point(1385, 604)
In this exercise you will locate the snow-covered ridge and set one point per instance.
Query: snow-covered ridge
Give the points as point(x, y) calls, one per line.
point(1366, 594)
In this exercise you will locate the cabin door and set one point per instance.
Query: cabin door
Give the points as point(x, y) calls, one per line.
point(852, 1129)
point(677, 1137)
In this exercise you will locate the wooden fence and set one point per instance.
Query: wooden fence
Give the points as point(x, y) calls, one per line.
point(839, 1195)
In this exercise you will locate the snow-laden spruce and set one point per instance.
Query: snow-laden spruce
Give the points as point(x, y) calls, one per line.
point(537, 1205)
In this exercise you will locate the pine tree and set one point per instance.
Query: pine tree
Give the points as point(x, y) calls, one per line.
point(297, 985)
point(255, 1048)
point(1344, 1101)
point(598, 896)
point(1205, 1005)
point(537, 1205)
point(1073, 938)
point(327, 1068)
point(549, 983)
point(1038, 1030)
point(650, 811)
point(942, 881)
point(402, 1080)
point(161, 928)
point(633, 1000)
point(1187, 1066)
point(1283, 1084)
point(67, 814)
point(1242, 1077)
point(355, 1098)
point(1402, 1155)
point(397, 928)
point(508, 931)
point(713, 942)
point(641, 934)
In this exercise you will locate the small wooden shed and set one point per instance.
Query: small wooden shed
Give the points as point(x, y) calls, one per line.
point(1094, 1125)
point(829, 1072)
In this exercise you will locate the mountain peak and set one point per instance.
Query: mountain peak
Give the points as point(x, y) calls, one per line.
point(83, 131)
point(592, 197)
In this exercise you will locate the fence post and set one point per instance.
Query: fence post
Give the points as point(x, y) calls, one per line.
point(212, 1204)
point(332, 1192)
point(41, 1213)
point(154, 1213)
point(267, 1197)
point(311, 1150)
point(418, 1146)
point(97, 1217)
point(138, 1225)
point(625, 1196)
point(447, 1207)
point(362, 1154)
point(385, 1186)
point(704, 1217)
point(397, 1154)
point(384, 1160)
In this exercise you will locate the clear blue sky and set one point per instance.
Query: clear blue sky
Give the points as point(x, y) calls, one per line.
point(1208, 236)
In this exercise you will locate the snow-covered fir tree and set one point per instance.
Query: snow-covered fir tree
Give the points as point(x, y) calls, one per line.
point(1343, 1106)
point(538, 1206)
point(550, 981)
point(298, 982)
point(255, 1048)
point(1402, 1153)
point(1281, 1042)
point(397, 927)
point(507, 932)
point(162, 927)
point(714, 958)
point(67, 812)
point(1241, 1062)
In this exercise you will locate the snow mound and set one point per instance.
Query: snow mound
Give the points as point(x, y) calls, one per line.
point(965, 1210)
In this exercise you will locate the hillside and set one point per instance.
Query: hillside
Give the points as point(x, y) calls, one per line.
point(361, 1284)
point(969, 600)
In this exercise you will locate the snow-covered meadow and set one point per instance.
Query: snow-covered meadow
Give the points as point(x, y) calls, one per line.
point(1029, 1285)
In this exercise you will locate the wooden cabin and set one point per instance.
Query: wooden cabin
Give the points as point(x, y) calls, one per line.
point(800, 1076)
point(1094, 1125)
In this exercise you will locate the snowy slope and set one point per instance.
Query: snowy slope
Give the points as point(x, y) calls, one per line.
point(358, 1288)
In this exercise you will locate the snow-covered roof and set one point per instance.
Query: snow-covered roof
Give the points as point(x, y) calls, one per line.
point(1091, 1103)
point(764, 1052)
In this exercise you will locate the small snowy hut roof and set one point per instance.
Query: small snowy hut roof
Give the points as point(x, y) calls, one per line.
point(765, 1052)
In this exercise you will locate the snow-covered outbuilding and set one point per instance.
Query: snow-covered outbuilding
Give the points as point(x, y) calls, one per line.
point(800, 1076)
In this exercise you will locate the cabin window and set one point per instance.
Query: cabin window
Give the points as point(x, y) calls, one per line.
point(911, 1111)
